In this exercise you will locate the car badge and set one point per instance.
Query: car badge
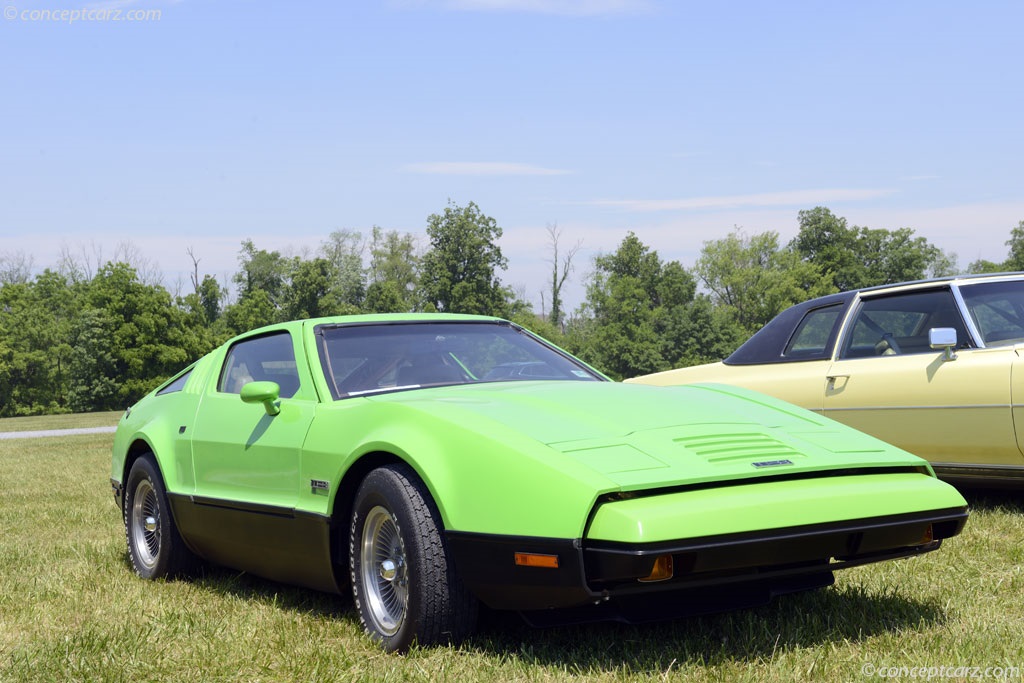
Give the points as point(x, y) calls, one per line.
point(319, 485)
point(771, 463)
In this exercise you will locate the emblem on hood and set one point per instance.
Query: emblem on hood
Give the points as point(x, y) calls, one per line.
point(771, 463)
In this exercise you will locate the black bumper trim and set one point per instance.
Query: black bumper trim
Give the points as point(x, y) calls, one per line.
point(486, 564)
point(753, 566)
point(846, 541)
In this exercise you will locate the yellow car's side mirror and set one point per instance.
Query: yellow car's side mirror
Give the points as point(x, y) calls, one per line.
point(943, 338)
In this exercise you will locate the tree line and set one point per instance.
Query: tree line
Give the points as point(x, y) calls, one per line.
point(75, 339)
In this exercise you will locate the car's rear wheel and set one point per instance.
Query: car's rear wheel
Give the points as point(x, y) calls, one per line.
point(403, 580)
point(154, 544)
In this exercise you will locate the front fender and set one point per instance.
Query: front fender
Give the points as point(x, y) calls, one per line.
point(160, 429)
point(484, 477)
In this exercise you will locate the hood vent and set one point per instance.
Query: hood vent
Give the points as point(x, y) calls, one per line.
point(716, 448)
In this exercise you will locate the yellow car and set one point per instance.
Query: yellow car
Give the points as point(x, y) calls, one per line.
point(933, 367)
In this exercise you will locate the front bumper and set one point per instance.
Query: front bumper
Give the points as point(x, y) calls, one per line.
point(711, 573)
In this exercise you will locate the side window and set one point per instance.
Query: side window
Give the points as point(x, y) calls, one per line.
point(810, 341)
point(899, 324)
point(268, 358)
point(998, 311)
point(177, 385)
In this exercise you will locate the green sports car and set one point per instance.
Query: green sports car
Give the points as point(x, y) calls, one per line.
point(429, 463)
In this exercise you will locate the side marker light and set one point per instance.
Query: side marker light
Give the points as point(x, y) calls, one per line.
point(662, 570)
point(536, 560)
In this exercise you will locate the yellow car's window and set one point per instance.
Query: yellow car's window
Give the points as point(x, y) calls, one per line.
point(998, 311)
point(898, 324)
point(812, 334)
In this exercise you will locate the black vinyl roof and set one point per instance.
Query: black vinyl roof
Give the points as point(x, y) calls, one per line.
point(768, 344)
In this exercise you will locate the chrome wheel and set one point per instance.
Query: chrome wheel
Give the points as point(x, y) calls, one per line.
point(144, 522)
point(384, 571)
point(404, 584)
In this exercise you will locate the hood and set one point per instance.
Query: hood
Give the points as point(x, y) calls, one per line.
point(640, 435)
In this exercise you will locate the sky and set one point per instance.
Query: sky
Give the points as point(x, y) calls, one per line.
point(196, 124)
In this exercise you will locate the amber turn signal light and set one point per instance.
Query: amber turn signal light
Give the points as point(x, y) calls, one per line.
point(662, 570)
point(535, 560)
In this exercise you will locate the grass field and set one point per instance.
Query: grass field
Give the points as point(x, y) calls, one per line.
point(72, 610)
point(40, 422)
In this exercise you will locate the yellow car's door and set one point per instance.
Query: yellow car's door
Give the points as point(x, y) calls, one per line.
point(947, 411)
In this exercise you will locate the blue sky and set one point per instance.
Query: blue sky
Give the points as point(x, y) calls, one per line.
point(224, 120)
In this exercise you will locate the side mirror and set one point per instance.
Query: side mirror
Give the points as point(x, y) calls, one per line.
point(943, 338)
point(266, 393)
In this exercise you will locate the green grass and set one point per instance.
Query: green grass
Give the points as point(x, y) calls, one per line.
point(72, 610)
point(68, 421)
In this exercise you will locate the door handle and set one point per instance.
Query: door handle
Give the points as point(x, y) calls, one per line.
point(832, 378)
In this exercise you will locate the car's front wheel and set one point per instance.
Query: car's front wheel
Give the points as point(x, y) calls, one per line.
point(404, 583)
point(154, 544)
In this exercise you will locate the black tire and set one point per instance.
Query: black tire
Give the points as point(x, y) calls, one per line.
point(404, 582)
point(154, 544)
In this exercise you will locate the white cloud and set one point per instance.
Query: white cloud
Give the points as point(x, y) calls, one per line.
point(790, 198)
point(481, 168)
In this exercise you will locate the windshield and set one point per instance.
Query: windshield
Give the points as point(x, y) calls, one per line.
point(373, 358)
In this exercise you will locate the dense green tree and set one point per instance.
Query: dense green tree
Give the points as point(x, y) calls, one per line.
point(698, 332)
point(642, 315)
point(95, 371)
point(386, 297)
point(755, 280)
point(393, 273)
point(254, 309)
point(211, 298)
point(205, 304)
point(985, 266)
point(35, 343)
point(343, 252)
point(828, 242)
point(264, 271)
point(129, 337)
point(312, 292)
point(90, 336)
point(460, 270)
point(27, 371)
point(895, 256)
point(856, 257)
